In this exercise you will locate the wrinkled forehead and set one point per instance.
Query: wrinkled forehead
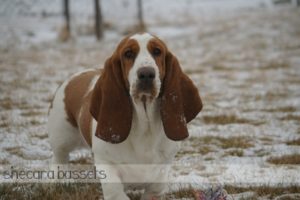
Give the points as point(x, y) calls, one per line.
point(147, 41)
point(141, 42)
point(142, 39)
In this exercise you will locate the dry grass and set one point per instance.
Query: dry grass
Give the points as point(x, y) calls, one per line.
point(203, 150)
point(32, 113)
point(261, 153)
point(47, 191)
point(228, 119)
point(294, 142)
point(275, 64)
point(281, 109)
point(6, 103)
point(209, 158)
point(35, 122)
point(73, 191)
point(222, 67)
point(266, 140)
point(79, 191)
point(182, 193)
point(194, 71)
point(4, 124)
point(293, 159)
point(208, 144)
point(271, 96)
point(198, 146)
point(226, 143)
point(235, 152)
point(270, 191)
point(235, 142)
point(291, 117)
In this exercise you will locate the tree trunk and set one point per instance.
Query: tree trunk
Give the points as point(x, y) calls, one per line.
point(67, 15)
point(296, 2)
point(65, 32)
point(98, 20)
point(140, 16)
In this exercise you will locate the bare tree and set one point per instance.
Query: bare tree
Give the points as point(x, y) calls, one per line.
point(141, 25)
point(295, 2)
point(67, 14)
point(98, 20)
point(65, 32)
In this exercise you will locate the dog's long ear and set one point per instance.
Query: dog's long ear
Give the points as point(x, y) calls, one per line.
point(111, 105)
point(180, 101)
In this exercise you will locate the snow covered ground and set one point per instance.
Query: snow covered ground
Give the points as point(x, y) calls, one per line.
point(243, 55)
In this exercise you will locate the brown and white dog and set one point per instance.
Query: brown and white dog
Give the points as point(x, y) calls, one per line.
point(131, 112)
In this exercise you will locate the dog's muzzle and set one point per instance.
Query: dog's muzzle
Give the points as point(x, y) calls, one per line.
point(146, 76)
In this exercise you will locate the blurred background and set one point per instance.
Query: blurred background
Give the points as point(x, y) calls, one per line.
point(39, 21)
point(244, 57)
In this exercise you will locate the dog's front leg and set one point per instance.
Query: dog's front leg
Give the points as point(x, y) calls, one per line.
point(112, 186)
point(155, 191)
point(114, 191)
point(160, 183)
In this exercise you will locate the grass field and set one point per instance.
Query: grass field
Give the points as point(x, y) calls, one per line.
point(246, 64)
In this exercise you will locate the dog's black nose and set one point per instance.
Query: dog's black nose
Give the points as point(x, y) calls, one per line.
point(146, 74)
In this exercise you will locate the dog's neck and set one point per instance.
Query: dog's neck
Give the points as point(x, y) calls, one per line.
point(145, 109)
point(146, 113)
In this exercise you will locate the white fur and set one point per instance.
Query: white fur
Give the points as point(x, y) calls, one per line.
point(63, 136)
point(143, 59)
point(146, 143)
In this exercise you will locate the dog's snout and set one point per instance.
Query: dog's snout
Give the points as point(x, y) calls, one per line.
point(146, 74)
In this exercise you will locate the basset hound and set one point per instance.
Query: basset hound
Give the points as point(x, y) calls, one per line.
point(133, 111)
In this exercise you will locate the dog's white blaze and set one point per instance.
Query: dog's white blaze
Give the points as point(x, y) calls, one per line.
point(143, 59)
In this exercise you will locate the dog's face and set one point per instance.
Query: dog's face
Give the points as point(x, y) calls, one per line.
point(142, 59)
point(142, 69)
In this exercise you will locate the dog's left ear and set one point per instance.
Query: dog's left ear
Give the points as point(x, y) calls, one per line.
point(180, 100)
point(111, 105)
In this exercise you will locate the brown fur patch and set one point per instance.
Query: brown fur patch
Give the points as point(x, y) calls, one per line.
point(156, 43)
point(180, 100)
point(85, 122)
point(111, 95)
point(77, 101)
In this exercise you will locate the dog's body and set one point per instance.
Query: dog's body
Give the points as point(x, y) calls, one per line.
point(129, 113)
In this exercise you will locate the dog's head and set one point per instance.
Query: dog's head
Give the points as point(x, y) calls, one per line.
point(142, 69)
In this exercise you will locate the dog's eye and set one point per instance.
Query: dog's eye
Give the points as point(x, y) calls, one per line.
point(156, 52)
point(129, 54)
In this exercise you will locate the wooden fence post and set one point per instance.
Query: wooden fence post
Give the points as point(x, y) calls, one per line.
point(65, 32)
point(98, 20)
point(67, 16)
point(141, 25)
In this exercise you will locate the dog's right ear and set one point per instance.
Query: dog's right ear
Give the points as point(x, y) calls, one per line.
point(180, 102)
point(111, 105)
